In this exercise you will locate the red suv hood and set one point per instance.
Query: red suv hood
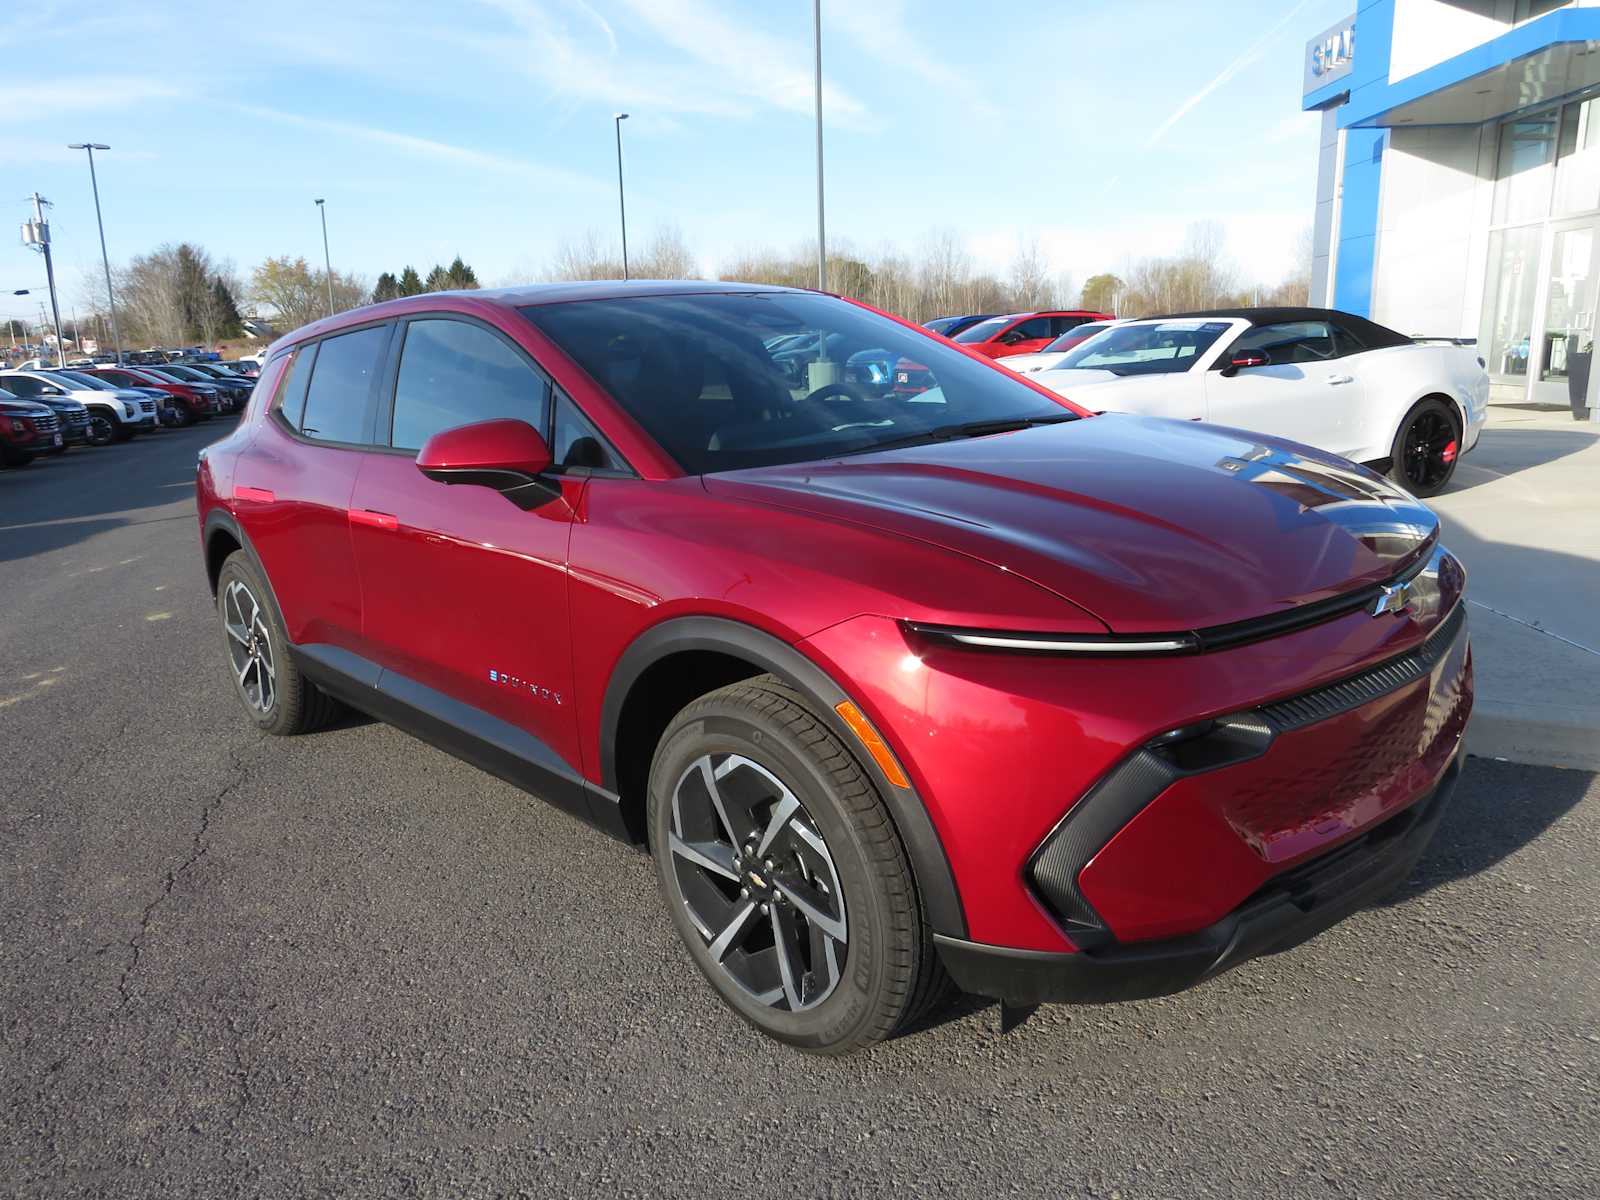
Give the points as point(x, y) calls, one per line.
point(1150, 525)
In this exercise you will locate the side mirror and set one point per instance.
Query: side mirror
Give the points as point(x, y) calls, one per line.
point(506, 455)
point(1242, 360)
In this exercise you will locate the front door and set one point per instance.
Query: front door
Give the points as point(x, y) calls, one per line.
point(1305, 392)
point(464, 593)
point(1564, 342)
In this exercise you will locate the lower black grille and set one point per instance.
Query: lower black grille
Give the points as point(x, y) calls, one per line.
point(1310, 707)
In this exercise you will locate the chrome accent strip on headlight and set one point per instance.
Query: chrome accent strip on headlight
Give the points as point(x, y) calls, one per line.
point(1066, 643)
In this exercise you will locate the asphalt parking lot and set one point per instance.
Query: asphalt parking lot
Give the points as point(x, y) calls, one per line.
point(347, 964)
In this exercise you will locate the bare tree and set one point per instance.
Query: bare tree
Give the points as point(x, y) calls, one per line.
point(585, 257)
point(1031, 285)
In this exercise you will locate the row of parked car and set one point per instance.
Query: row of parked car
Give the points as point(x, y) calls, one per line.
point(46, 410)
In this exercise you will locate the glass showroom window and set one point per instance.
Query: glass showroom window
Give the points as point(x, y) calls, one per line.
point(1522, 182)
point(1508, 304)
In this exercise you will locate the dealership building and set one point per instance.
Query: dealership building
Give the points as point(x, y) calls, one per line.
point(1458, 190)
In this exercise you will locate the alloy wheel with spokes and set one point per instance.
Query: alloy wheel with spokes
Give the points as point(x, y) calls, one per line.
point(249, 647)
point(783, 872)
point(1426, 449)
point(758, 882)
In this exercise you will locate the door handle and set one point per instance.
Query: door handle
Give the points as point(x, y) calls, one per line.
point(1336, 380)
point(377, 520)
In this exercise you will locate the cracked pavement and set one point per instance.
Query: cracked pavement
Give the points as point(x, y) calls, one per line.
point(350, 965)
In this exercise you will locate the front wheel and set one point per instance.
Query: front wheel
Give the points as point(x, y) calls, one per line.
point(783, 872)
point(103, 428)
point(1426, 448)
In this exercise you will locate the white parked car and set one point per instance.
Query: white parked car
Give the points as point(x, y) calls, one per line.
point(1327, 379)
point(1050, 357)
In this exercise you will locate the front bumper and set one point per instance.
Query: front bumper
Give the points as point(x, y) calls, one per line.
point(1291, 909)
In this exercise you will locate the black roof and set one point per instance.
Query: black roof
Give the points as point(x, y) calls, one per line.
point(1369, 333)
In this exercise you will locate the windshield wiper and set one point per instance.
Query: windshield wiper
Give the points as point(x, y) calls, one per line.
point(970, 429)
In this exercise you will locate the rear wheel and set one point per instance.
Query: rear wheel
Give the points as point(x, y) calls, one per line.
point(783, 872)
point(279, 699)
point(1426, 448)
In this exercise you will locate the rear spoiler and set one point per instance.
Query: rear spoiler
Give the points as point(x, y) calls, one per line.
point(1449, 341)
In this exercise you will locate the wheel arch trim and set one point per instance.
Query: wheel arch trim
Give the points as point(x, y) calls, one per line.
point(935, 880)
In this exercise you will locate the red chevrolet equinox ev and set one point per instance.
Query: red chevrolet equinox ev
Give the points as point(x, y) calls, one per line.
point(904, 693)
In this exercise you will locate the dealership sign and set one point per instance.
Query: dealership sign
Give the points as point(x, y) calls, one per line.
point(1329, 55)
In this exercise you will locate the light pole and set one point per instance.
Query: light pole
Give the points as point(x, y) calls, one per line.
point(105, 260)
point(822, 236)
point(36, 234)
point(327, 262)
point(622, 203)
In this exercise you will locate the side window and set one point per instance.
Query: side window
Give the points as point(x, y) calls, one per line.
point(293, 403)
point(1289, 342)
point(21, 385)
point(575, 442)
point(1346, 343)
point(1060, 325)
point(341, 385)
point(454, 373)
point(1034, 327)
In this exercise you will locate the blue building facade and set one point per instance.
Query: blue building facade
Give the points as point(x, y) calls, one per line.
point(1458, 189)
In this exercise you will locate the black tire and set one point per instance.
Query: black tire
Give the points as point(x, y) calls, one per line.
point(1426, 448)
point(853, 992)
point(186, 415)
point(103, 427)
point(295, 704)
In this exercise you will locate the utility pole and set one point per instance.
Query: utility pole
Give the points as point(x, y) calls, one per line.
point(105, 260)
point(622, 203)
point(326, 261)
point(822, 237)
point(36, 233)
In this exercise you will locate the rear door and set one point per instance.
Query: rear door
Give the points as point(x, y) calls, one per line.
point(1305, 393)
point(293, 484)
point(464, 593)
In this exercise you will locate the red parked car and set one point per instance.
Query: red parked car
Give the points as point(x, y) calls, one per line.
point(899, 691)
point(1023, 333)
point(194, 401)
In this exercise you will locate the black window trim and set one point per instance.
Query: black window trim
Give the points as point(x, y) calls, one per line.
point(276, 412)
point(383, 417)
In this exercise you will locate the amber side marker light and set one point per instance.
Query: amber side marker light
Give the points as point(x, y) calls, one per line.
point(881, 754)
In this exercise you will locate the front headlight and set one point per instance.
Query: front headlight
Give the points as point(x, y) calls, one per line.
point(17, 426)
point(131, 409)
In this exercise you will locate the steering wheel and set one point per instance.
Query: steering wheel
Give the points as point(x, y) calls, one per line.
point(834, 392)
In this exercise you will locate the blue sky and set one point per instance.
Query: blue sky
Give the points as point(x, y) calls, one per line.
point(1101, 127)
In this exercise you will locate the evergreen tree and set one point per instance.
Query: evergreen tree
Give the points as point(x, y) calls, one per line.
point(388, 288)
point(226, 308)
point(411, 282)
point(438, 280)
point(460, 275)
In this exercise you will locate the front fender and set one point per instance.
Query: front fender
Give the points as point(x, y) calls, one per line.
point(923, 846)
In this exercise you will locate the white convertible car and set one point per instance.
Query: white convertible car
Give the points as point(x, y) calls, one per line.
point(1328, 379)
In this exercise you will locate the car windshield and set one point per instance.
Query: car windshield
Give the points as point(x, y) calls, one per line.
point(188, 373)
point(164, 374)
point(80, 380)
point(982, 331)
point(696, 373)
point(1072, 337)
point(1147, 348)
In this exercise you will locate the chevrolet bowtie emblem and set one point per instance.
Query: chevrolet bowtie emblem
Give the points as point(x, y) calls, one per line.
point(1395, 600)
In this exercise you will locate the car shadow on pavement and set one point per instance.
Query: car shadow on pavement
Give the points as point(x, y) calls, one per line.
point(58, 501)
point(1498, 808)
point(1513, 449)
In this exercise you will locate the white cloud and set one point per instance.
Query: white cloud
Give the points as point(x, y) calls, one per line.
point(1251, 53)
point(420, 147)
point(880, 29)
point(53, 97)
